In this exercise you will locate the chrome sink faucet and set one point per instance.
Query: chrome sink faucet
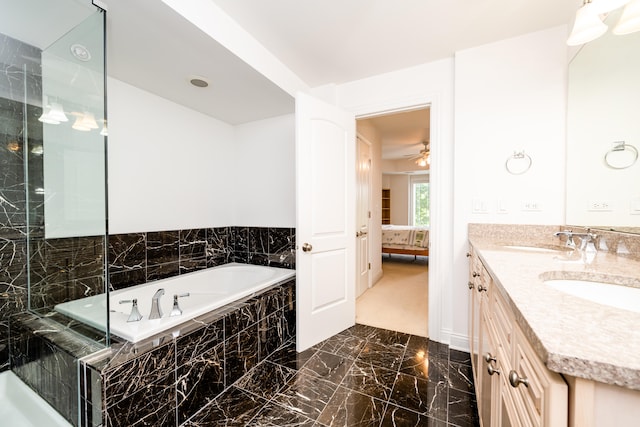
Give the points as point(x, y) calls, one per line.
point(156, 310)
point(569, 234)
point(587, 240)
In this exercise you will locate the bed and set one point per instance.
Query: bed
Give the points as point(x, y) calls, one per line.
point(405, 240)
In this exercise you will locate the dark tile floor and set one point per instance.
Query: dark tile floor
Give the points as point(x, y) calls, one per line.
point(363, 376)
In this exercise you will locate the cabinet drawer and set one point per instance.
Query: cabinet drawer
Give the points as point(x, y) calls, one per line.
point(540, 385)
point(502, 322)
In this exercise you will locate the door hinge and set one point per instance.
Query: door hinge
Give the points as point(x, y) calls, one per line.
point(369, 266)
point(369, 214)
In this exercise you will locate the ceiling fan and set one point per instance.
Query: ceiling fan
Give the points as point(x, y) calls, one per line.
point(423, 158)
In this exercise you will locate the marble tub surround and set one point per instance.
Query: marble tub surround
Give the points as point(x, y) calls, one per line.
point(136, 258)
point(44, 355)
point(571, 335)
point(165, 379)
point(363, 376)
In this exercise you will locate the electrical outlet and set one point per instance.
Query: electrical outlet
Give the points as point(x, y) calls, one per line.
point(599, 206)
point(531, 205)
point(479, 206)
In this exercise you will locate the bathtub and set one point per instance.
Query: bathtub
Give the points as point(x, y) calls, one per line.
point(22, 406)
point(208, 289)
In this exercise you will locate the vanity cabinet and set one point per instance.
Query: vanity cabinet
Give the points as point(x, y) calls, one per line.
point(513, 387)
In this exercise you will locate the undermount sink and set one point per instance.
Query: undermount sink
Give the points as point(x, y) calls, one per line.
point(619, 296)
point(535, 249)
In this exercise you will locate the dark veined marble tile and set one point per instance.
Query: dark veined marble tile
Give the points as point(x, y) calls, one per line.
point(462, 408)
point(162, 247)
point(193, 243)
point(461, 357)
point(348, 408)
point(255, 258)
point(270, 334)
point(13, 256)
point(288, 356)
point(128, 378)
point(328, 366)
point(359, 330)
point(280, 240)
point(153, 402)
point(241, 354)
point(240, 238)
point(266, 379)
point(127, 252)
point(389, 338)
point(344, 345)
point(305, 394)
point(370, 380)
point(127, 278)
point(199, 381)
point(461, 377)
point(189, 265)
point(218, 240)
point(259, 240)
point(192, 345)
point(162, 271)
point(420, 395)
point(234, 407)
point(274, 415)
point(384, 356)
point(423, 365)
point(401, 417)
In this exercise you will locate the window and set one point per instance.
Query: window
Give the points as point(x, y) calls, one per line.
point(420, 203)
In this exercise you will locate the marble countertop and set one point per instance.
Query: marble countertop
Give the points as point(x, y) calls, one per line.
point(571, 335)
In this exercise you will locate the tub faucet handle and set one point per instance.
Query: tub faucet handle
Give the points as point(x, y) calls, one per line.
point(135, 315)
point(177, 311)
point(156, 310)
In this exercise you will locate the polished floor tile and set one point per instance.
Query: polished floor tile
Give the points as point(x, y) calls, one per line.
point(362, 377)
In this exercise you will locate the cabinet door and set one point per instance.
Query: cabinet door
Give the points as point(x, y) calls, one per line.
point(474, 315)
point(488, 370)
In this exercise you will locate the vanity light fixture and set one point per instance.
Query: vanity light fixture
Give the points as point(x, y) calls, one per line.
point(589, 24)
point(630, 20)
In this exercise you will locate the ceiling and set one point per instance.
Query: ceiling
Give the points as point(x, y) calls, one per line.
point(402, 134)
point(323, 41)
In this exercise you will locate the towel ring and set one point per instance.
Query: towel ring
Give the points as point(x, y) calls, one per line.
point(621, 156)
point(518, 163)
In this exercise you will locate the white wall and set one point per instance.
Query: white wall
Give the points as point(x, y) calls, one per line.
point(169, 166)
point(264, 158)
point(510, 96)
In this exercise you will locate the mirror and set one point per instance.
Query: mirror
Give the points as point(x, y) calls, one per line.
point(603, 136)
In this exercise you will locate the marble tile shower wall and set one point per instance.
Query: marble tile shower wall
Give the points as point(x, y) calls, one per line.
point(165, 379)
point(20, 75)
point(136, 258)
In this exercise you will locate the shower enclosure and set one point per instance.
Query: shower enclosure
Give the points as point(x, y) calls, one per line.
point(53, 221)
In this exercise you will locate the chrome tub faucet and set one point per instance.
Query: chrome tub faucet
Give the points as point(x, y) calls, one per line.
point(156, 310)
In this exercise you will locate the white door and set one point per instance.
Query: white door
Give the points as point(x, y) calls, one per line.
point(363, 216)
point(325, 224)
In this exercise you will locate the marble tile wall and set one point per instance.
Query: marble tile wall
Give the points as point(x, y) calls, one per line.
point(136, 258)
point(166, 379)
point(19, 76)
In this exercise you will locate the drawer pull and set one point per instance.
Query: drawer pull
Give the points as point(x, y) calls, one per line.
point(482, 288)
point(471, 285)
point(515, 380)
point(491, 370)
point(489, 358)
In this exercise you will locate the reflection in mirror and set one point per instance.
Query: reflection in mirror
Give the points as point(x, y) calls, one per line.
point(603, 106)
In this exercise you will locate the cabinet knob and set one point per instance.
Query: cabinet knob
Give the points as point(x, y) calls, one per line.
point(471, 285)
point(489, 358)
point(491, 370)
point(468, 254)
point(482, 288)
point(475, 274)
point(515, 380)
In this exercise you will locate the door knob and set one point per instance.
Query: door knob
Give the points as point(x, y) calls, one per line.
point(307, 247)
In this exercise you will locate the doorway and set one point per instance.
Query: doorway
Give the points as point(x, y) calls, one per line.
point(397, 298)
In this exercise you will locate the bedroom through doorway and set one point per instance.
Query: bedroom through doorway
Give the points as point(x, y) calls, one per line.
point(398, 245)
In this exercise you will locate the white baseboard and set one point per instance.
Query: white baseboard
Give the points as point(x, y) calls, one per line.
point(459, 342)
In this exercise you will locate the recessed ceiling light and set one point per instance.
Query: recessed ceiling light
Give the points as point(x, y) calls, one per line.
point(198, 81)
point(80, 52)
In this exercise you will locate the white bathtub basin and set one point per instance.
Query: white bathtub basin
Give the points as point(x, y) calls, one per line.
point(624, 297)
point(22, 407)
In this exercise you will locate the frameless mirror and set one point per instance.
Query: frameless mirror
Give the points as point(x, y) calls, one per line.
point(603, 136)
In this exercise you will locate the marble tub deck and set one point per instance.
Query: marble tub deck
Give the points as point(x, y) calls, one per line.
point(363, 376)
